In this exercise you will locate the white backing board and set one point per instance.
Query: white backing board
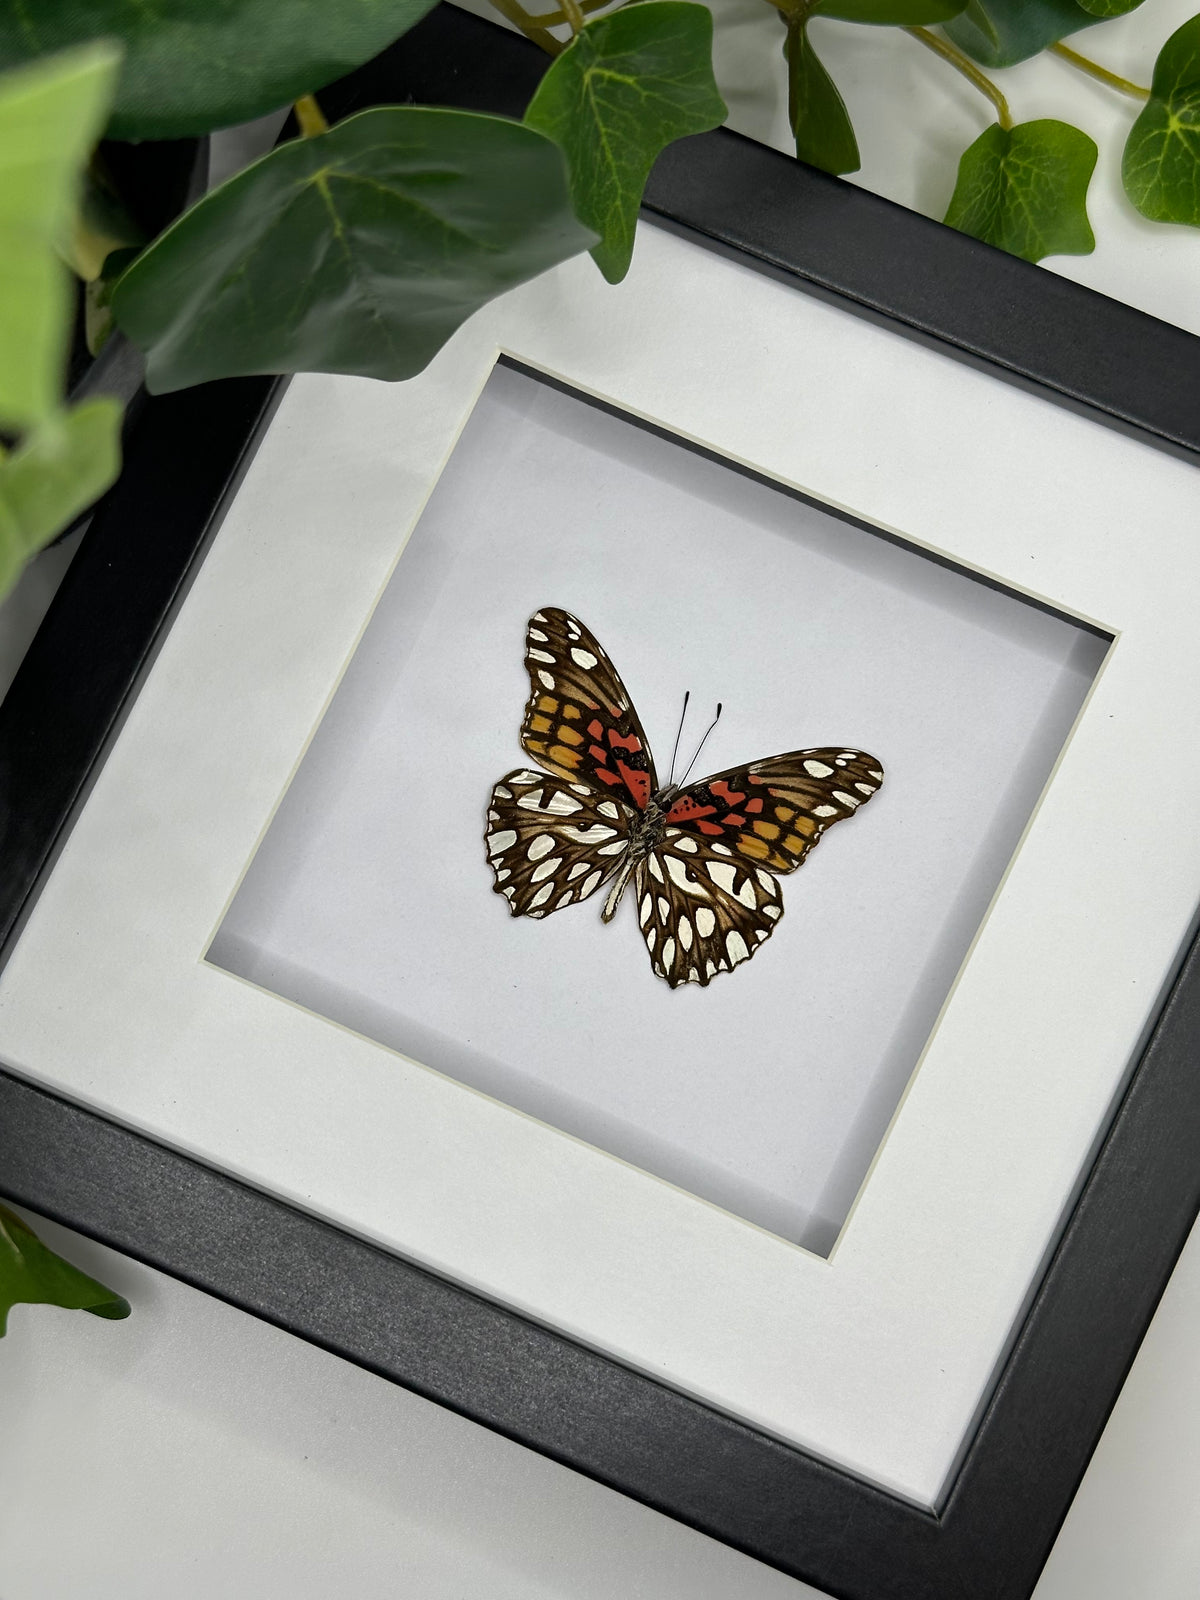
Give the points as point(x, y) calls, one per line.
point(369, 899)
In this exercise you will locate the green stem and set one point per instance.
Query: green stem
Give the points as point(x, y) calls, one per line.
point(574, 15)
point(1095, 70)
point(964, 64)
point(555, 19)
point(512, 11)
point(310, 116)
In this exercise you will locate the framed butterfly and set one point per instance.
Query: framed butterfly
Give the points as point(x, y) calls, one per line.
point(705, 858)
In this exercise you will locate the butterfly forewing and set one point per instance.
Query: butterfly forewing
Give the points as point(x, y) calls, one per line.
point(579, 722)
point(702, 910)
point(552, 843)
point(772, 812)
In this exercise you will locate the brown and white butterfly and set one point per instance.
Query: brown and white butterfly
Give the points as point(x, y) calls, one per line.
point(705, 858)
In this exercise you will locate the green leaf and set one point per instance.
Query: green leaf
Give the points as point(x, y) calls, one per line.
point(820, 121)
point(1109, 8)
point(359, 250)
point(195, 65)
point(627, 86)
point(32, 1274)
point(999, 33)
point(1161, 166)
point(890, 13)
point(1024, 189)
point(50, 115)
point(61, 467)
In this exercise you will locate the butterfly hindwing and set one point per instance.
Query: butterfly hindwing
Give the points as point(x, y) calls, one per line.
point(579, 721)
point(772, 812)
point(702, 910)
point(551, 843)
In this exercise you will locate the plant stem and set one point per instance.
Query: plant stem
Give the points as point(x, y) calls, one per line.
point(553, 19)
point(964, 64)
point(1095, 70)
point(574, 15)
point(512, 11)
point(310, 116)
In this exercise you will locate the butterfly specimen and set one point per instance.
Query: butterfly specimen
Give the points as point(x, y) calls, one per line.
point(705, 858)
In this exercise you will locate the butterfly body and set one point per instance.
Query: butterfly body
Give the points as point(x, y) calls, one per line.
point(704, 858)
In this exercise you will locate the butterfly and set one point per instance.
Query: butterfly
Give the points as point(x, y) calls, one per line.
point(705, 858)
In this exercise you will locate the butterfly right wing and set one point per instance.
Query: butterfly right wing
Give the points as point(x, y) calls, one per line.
point(552, 843)
point(701, 910)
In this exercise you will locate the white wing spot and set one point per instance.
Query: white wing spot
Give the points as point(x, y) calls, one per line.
point(590, 835)
point(705, 921)
point(818, 769)
point(865, 788)
point(693, 976)
point(846, 799)
point(536, 633)
point(578, 870)
point(722, 874)
point(721, 849)
point(878, 776)
point(825, 811)
point(504, 794)
point(583, 658)
point(647, 906)
point(668, 953)
point(504, 872)
point(538, 616)
point(774, 912)
point(612, 849)
point(546, 679)
point(580, 788)
point(761, 933)
point(767, 881)
point(542, 896)
point(566, 900)
point(688, 846)
point(606, 808)
point(540, 845)
point(591, 883)
point(664, 909)
point(710, 968)
point(546, 870)
point(651, 936)
point(747, 895)
point(679, 874)
point(849, 755)
point(684, 931)
point(498, 843)
point(655, 869)
point(493, 815)
point(540, 655)
point(736, 946)
point(562, 805)
point(531, 802)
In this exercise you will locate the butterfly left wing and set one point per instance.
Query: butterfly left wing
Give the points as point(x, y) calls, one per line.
point(771, 813)
point(701, 910)
point(579, 720)
point(551, 843)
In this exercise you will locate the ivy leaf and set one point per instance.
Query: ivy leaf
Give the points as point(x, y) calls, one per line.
point(50, 116)
point(627, 86)
point(359, 250)
point(1024, 189)
point(999, 33)
point(32, 1274)
point(63, 464)
point(195, 65)
point(1161, 165)
point(890, 13)
point(820, 122)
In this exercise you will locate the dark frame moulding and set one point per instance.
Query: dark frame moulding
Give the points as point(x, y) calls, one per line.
point(990, 1538)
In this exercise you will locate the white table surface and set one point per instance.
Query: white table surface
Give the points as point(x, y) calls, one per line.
point(194, 1451)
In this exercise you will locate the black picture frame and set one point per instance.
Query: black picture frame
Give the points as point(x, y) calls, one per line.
point(990, 1538)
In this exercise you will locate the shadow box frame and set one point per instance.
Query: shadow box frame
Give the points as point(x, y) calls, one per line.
point(791, 1509)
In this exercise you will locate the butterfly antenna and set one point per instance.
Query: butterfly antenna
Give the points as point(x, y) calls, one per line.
point(679, 730)
point(701, 745)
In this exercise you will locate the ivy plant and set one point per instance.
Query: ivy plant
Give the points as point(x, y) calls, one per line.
point(362, 247)
point(32, 1274)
